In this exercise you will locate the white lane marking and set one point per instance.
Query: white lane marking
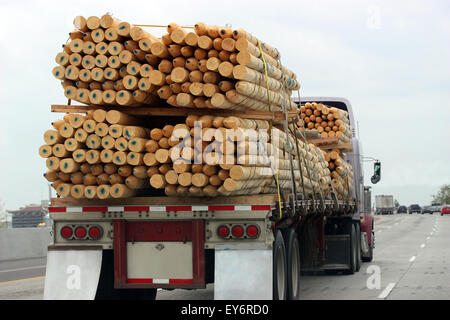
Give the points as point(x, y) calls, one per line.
point(387, 290)
point(422, 245)
point(428, 238)
point(21, 269)
point(412, 259)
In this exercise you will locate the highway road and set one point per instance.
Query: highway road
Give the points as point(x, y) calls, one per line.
point(411, 261)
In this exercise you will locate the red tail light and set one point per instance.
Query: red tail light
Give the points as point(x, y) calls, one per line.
point(80, 232)
point(95, 232)
point(252, 231)
point(237, 231)
point(66, 232)
point(223, 231)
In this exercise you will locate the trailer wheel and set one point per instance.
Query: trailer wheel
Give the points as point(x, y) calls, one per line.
point(279, 268)
point(369, 258)
point(293, 265)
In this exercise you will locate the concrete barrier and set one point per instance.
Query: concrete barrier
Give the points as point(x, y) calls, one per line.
point(22, 243)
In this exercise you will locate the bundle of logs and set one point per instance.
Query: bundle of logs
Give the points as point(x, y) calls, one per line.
point(229, 156)
point(98, 155)
point(341, 174)
point(327, 121)
point(109, 62)
point(109, 154)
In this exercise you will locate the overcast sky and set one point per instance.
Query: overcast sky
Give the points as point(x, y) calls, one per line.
point(390, 59)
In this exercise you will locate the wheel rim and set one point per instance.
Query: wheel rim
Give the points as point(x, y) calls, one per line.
point(295, 267)
point(281, 276)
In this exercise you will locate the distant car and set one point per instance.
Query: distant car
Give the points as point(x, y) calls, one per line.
point(427, 209)
point(402, 209)
point(436, 207)
point(445, 210)
point(414, 208)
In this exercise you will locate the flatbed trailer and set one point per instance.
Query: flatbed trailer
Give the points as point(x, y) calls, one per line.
point(250, 247)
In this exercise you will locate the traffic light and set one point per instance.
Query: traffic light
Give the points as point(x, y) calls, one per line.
point(376, 172)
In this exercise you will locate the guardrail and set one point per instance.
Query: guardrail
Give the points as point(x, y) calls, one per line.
point(23, 243)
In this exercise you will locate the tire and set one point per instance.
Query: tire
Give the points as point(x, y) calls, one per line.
point(279, 268)
point(293, 264)
point(105, 289)
point(369, 258)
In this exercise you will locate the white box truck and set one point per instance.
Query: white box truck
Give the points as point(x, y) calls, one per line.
point(384, 204)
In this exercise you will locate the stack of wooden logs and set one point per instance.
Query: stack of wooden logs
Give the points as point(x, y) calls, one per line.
point(109, 62)
point(327, 121)
point(341, 174)
point(109, 154)
point(98, 155)
point(217, 160)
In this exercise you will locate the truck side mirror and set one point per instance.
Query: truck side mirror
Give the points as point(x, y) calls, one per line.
point(376, 172)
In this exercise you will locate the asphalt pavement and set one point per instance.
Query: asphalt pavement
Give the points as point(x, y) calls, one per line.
point(411, 261)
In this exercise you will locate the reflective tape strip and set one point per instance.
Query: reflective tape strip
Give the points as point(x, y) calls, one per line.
point(243, 208)
point(159, 281)
point(200, 208)
point(157, 208)
point(162, 208)
point(181, 280)
point(116, 209)
point(95, 209)
point(178, 208)
point(140, 280)
point(136, 208)
point(221, 208)
point(260, 207)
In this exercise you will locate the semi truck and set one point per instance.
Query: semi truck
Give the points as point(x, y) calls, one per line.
point(250, 247)
point(384, 204)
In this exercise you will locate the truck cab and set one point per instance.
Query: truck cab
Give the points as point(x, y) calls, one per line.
point(362, 217)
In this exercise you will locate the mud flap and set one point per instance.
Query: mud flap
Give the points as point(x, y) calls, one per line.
point(72, 274)
point(243, 272)
point(364, 244)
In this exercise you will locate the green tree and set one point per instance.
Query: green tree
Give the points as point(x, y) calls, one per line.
point(443, 196)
